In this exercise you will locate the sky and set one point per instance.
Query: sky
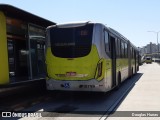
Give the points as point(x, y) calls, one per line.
point(132, 18)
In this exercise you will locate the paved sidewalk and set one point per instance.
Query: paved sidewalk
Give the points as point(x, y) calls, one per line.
point(145, 95)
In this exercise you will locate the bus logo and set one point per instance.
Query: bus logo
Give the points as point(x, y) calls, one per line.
point(66, 85)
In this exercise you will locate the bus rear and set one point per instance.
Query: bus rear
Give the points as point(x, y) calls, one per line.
point(148, 60)
point(71, 58)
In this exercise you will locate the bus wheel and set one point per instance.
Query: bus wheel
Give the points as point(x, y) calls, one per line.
point(119, 81)
point(132, 73)
point(137, 68)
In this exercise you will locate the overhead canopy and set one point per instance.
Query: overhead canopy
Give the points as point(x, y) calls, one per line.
point(14, 12)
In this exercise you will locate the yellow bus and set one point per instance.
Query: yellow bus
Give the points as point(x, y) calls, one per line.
point(22, 45)
point(148, 58)
point(88, 56)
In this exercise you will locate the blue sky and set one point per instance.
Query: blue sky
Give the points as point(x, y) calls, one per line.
point(132, 18)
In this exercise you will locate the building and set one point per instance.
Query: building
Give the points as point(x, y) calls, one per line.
point(149, 48)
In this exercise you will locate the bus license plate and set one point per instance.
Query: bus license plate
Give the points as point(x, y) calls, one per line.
point(71, 74)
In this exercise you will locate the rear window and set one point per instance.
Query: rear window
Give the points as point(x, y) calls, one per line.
point(71, 42)
point(148, 58)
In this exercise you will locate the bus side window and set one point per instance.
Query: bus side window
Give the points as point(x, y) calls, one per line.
point(131, 52)
point(126, 51)
point(107, 43)
point(118, 48)
point(122, 49)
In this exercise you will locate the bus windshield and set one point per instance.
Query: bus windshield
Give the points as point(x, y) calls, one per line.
point(71, 42)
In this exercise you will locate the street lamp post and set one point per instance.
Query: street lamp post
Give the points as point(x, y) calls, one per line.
point(157, 38)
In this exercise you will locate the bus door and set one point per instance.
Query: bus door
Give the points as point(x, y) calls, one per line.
point(113, 57)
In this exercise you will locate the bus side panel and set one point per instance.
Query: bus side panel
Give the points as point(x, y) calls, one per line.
point(124, 66)
point(4, 75)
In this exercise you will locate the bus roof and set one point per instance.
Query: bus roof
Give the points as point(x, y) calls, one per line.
point(70, 24)
point(14, 12)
